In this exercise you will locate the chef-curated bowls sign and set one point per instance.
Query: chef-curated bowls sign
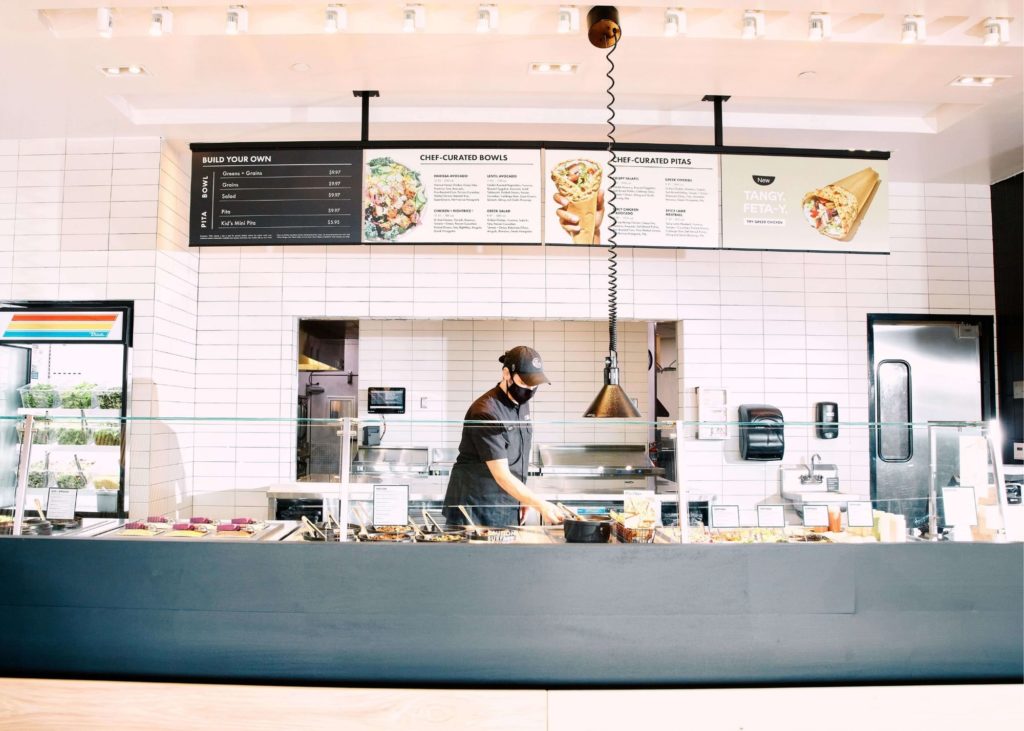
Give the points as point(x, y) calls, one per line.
point(805, 204)
point(451, 196)
point(661, 199)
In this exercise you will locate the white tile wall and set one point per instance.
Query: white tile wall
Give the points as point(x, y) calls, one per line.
point(216, 327)
point(103, 218)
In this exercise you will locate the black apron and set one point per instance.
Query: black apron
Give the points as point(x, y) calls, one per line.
point(471, 484)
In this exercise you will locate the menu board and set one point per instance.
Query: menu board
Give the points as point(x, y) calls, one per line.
point(805, 204)
point(275, 197)
point(451, 196)
point(662, 199)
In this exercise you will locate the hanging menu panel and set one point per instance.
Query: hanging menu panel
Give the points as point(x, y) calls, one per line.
point(451, 196)
point(275, 197)
point(662, 199)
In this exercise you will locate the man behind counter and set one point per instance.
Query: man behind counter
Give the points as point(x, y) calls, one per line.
point(489, 476)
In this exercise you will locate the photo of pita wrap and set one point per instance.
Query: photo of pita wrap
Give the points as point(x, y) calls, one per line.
point(579, 181)
point(836, 209)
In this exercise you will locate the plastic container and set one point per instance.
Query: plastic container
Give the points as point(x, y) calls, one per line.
point(81, 396)
point(70, 481)
point(74, 436)
point(39, 396)
point(42, 433)
point(107, 436)
point(108, 398)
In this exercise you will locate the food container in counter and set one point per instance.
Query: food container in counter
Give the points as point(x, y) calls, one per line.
point(588, 529)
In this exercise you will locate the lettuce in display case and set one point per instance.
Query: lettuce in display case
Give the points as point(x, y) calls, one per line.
point(107, 437)
point(78, 397)
point(73, 436)
point(39, 396)
point(109, 398)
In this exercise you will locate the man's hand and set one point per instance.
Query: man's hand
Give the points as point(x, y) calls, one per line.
point(550, 512)
point(570, 222)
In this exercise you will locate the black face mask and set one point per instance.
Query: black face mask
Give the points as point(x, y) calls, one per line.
point(520, 393)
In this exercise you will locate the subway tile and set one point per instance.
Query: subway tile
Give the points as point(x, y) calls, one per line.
point(42, 147)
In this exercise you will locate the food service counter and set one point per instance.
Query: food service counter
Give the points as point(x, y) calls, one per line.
point(515, 615)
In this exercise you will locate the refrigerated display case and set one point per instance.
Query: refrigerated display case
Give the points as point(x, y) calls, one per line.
point(67, 365)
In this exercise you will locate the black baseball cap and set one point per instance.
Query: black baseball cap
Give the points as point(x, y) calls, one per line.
point(527, 363)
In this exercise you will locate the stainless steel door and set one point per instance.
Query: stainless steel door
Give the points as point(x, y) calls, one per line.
point(921, 371)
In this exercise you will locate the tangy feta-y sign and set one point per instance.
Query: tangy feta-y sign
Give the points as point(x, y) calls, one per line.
point(805, 204)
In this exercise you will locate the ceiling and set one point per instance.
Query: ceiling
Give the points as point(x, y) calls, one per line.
point(866, 89)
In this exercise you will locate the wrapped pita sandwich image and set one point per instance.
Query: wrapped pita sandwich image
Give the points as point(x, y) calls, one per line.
point(836, 209)
point(579, 181)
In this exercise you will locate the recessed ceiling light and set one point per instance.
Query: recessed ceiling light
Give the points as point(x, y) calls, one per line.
point(753, 24)
point(819, 27)
point(104, 22)
point(542, 67)
point(335, 18)
point(414, 18)
point(997, 31)
point(237, 20)
point(675, 22)
point(806, 75)
point(133, 70)
point(486, 18)
point(568, 19)
point(301, 67)
point(161, 22)
point(977, 80)
point(914, 29)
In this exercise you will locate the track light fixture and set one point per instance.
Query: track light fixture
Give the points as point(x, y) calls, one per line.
point(104, 22)
point(237, 20)
point(914, 29)
point(997, 31)
point(335, 18)
point(753, 24)
point(414, 18)
point(568, 19)
point(161, 22)
point(675, 22)
point(819, 27)
point(487, 18)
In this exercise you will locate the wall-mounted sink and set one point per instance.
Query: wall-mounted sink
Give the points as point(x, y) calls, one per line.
point(816, 492)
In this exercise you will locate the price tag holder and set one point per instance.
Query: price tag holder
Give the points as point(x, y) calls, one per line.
point(725, 516)
point(816, 516)
point(959, 506)
point(770, 516)
point(61, 504)
point(390, 504)
point(859, 514)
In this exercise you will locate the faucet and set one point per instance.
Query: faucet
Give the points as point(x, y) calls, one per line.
point(811, 477)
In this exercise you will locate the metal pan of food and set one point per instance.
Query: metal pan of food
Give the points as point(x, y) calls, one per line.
point(389, 534)
point(588, 529)
point(451, 534)
point(329, 531)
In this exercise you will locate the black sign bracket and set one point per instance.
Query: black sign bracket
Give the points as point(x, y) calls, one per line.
point(365, 95)
point(717, 99)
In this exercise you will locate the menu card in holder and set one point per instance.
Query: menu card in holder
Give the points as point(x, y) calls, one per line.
point(771, 516)
point(61, 504)
point(390, 504)
point(725, 516)
point(816, 516)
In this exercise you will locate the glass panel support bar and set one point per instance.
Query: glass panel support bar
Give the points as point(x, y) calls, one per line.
point(23, 463)
point(344, 474)
point(995, 454)
point(684, 501)
point(933, 476)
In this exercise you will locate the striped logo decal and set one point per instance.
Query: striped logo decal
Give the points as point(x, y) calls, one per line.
point(60, 326)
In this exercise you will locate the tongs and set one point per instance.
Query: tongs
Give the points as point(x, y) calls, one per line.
point(428, 519)
point(312, 525)
point(569, 511)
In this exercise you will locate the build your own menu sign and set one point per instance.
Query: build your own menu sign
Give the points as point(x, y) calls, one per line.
point(662, 199)
point(805, 204)
point(275, 197)
point(471, 196)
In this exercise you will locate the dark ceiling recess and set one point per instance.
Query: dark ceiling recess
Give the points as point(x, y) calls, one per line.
point(323, 341)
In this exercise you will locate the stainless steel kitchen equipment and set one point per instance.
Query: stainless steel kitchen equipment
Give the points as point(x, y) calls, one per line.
point(593, 468)
point(392, 461)
point(923, 369)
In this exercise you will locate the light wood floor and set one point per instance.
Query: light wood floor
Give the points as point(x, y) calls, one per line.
point(27, 705)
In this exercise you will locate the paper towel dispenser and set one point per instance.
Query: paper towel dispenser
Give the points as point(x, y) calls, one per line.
point(761, 433)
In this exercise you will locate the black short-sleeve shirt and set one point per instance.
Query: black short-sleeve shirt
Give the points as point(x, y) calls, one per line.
point(497, 429)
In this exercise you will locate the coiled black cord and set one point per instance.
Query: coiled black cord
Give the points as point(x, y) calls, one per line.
point(613, 267)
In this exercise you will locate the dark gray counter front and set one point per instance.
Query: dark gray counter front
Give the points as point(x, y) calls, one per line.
point(545, 616)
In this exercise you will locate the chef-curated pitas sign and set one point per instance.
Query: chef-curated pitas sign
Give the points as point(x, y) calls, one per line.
point(805, 203)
